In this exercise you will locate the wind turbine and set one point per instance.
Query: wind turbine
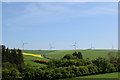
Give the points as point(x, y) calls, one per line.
point(112, 47)
point(51, 47)
point(91, 46)
point(23, 44)
point(75, 45)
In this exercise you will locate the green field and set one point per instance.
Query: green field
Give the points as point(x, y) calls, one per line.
point(91, 54)
point(107, 75)
point(29, 60)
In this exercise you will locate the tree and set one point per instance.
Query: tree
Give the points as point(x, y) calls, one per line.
point(102, 64)
point(75, 53)
point(29, 73)
point(80, 55)
point(10, 74)
point(68, 56)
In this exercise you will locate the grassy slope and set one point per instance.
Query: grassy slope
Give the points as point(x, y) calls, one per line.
point(92, 54)
point(108, 75)
point(29, 60)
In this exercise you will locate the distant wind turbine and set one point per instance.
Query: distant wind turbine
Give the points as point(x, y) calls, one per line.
point(75, 45)
point(50, 46)
point(112, 46)
point(91, 46)
point(23, 44)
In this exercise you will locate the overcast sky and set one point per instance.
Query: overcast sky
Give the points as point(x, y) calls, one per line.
point(60, 24)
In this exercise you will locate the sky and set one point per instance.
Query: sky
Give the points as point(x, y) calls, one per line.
point(60, 24)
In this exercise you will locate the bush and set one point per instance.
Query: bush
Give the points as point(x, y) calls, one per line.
point(85, 70)
point(68, 56)
point(111, 68)
point(29, 73)
point(10, 74)
point(8, 65)
point(102, 64)
point(92, 69)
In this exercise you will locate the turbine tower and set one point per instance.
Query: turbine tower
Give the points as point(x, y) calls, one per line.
point(91, 46)
point(23, 44)
point(75, 45)
point(112, 47)
point(51, 47)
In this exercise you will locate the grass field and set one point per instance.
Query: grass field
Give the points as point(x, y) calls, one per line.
point(29, 60)
point(107, 75)
point(91, 54)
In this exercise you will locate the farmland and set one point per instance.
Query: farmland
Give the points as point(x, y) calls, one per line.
point(57, 54)
point(35, 55)
point(59, 64)
point(91, 54)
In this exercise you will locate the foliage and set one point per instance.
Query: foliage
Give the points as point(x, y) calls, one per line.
point(12, 56)
point(10, 74)
point(68, 56)
point(78, 55)
point(75, 55)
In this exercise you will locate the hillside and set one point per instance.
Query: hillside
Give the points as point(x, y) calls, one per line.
point(92, 54)
point(52, 54)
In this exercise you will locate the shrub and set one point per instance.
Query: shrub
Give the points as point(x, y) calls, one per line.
point(68, 56)
point(84, 70)
point(102, 64)
point(10, 74)
point(92, 69)
point(29, 73)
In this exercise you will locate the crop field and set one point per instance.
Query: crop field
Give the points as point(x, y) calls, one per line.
point(28, 58)
point(29, 61)
point(42, 52)
point(30, 55)
point(35, 55)
point(92, 77)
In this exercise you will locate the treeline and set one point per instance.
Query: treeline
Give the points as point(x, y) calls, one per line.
point(12, 58)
